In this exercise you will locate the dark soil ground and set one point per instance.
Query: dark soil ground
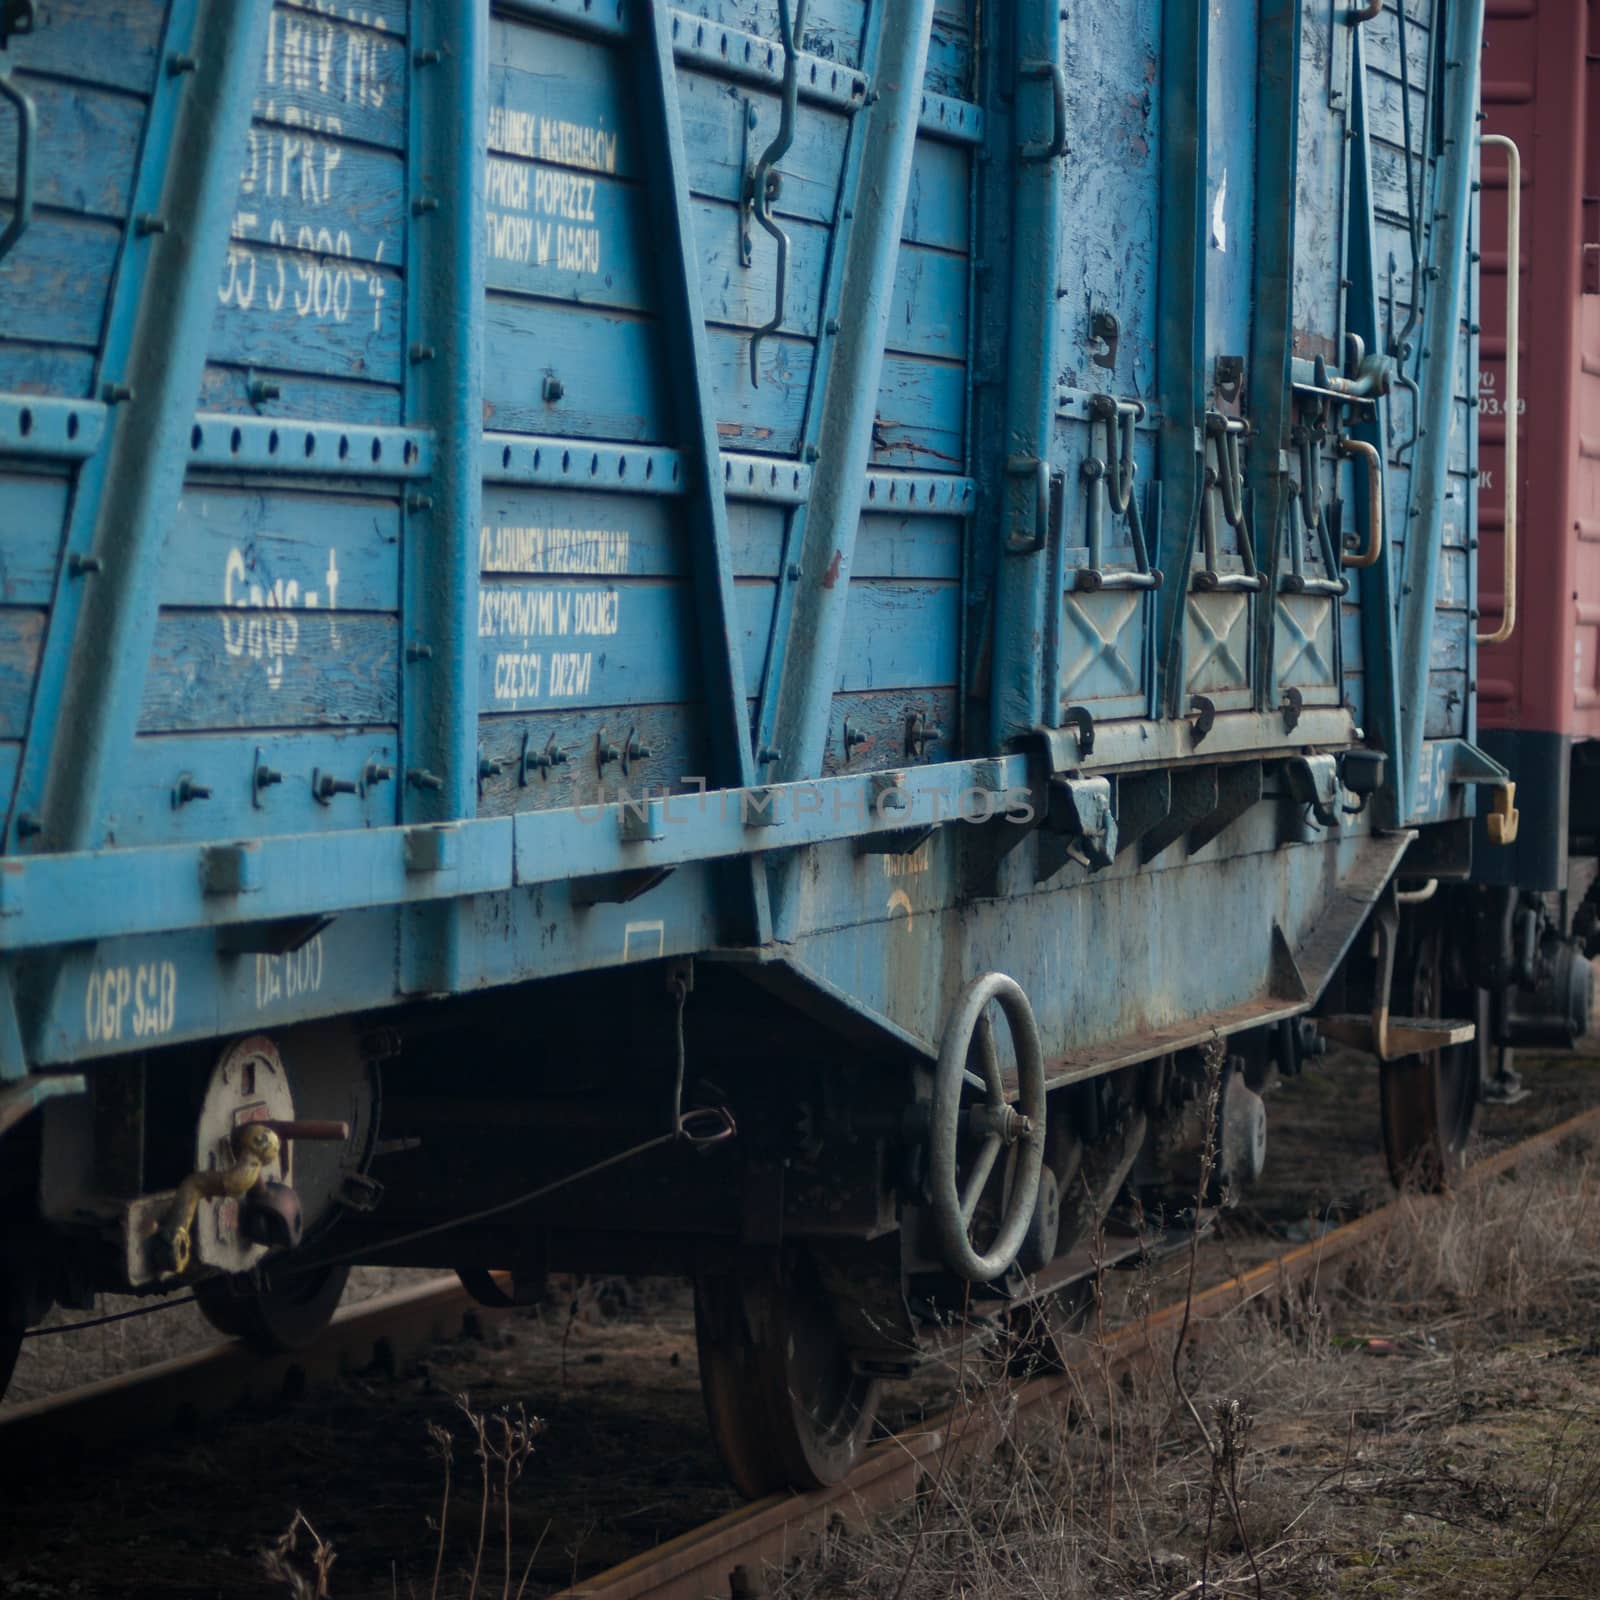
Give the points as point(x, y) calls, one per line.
point(623, 1459)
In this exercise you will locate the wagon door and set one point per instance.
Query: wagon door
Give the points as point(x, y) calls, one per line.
point(1081, 498)
point(1224, 583)
point(1179, 386)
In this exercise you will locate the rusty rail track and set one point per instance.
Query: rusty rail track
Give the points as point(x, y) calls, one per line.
point(384, 1331)
point(699, 1565)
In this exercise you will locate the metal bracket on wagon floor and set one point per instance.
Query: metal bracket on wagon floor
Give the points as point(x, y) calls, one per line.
point(1389, 1038)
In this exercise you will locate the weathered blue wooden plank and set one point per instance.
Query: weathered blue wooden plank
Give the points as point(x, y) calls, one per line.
point(869, 730)
point(386, 16)
point(722, 144)
point(921, 415)
point(53, 252)
point(567, 533)
point(254, 548)
point(567, 235)
point(605, 362)
point(1111, 240)
point(1319, 219)
point(1381, 44)
point(555, 97)
point(571, 643)
point(1385, 103)
point(766, 419)
point(899, 635)
point(304, 311)
point(939, 202)
point(10, 760)
point(321, 72)
point(561, 532)
point(320, 196)
point(741, 296)
point(1453, 589)
point(271, 669)
point(45, 369)
point(315, 399)
point(239, 806)
point(1446, 712)
point(87, 142)
point(21, 633)
point(35, 513)
point(832, 29)
point(952, 50)
point(564, 750)
point(1230, 151)
point(929, 313)
point(921, 404)
point(91, 42)
point(1447, 643)
point(907, 547)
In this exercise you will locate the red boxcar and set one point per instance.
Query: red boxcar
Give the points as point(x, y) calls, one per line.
point(1528, 935)
point(1539, 693)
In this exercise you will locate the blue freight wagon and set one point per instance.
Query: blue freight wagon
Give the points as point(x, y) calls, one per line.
point(717, 639)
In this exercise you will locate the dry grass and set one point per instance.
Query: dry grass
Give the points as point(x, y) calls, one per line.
point(1433, 1429)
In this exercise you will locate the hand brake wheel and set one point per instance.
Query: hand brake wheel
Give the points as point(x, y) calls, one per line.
point(986, 1127)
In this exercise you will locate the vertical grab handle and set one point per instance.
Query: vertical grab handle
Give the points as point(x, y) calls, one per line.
point(23, 214)
point(1369, 454)
point(1511, 402)
point(1056, 145)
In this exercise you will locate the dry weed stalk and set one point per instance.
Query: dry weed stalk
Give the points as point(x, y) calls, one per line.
point(503, 1444)
point(1232, 1420)
point(445, 1446)
point(282, 1564)
point(479, 1427)
point(944, 1458)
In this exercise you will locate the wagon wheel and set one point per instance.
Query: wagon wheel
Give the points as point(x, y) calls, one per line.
point(1429, 1101)
point(23, 1303)
point(967, 1139)
point(10, 1348)
point(785, 1408)
point(286, 1317)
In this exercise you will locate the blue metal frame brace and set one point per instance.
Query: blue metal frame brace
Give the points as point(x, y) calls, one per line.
point(102, 623)
point(1182, 349)
point(1277, 152)
point(1452, 210)
point(887, 129)
point(1381, 709)
point(448, 135)
point(1024, 561)
point(688, 359)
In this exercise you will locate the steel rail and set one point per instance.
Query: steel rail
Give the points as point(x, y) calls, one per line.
point(205, 1383)
point(697, 1565)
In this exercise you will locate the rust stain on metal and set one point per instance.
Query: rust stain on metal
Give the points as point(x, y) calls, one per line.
point(831, 576)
